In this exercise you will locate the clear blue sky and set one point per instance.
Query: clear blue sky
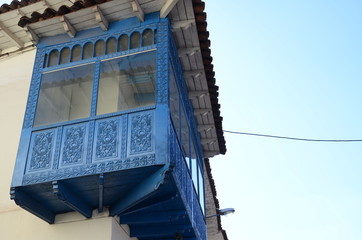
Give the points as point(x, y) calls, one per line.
point(290, 68)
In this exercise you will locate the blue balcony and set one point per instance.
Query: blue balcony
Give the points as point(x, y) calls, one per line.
point(113, 129)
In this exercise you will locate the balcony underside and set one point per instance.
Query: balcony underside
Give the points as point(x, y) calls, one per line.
point(147, 199)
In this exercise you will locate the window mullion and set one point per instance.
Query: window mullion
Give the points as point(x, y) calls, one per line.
point(97, 65)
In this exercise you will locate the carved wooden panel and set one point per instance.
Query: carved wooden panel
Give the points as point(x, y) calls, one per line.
point(41, 150)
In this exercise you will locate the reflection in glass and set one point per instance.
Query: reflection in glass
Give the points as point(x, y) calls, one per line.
point(53, 58)
point(201, 191)
point(127, 82)
point(64, 55)
point(147, 37)
point(123, 43)
point(174, 102)
point(76, 53)
point(99, 46)
point(194, 170)
point(135, 40)
point(111, 46)
point(185, 137)
point(65, 95)
point(88, 50)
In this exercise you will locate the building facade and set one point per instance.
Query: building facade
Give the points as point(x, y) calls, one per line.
point(119, 123)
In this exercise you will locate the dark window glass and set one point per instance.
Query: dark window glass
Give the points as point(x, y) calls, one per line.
point(64, 55)
point(45, 60)
point(155, 37)
point(123, 43)
point(194, 167)
point(99, 46)
point(135, 40)
point(111, 45)
point(127, 82)
point(64, 95)
point(53, 58)
point(88, 50)
point(185, 137)
point(201, 191)
point(174, 103)
point(76, 51)
point(147, 37)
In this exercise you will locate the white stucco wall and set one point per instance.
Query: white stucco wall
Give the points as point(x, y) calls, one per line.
point(16, 223)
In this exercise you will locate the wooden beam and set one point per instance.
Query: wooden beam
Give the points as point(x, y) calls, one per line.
point(167, 7)
point(143, 190)
point(206, 127)
point(183, 52)
point(71, 199)
point(11, 36)
point(25, 201)
point(100, 18)
point(202, 111)
point(208, 140)
point(69, 29)
point(31, 34)
point(182, 24)
point(193, 73)
point(138, 10)
point(208, 154)
point(200, 94)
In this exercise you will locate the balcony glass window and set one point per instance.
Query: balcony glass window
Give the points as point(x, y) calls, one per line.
point(147, 37)
point(201, 191)
point(64, 55)
point(123, 43)
point(76, 51)
point(185, 137)
point(174, 103)
point(99, 48)
point(127, 82)
point(111, 46)
point(65, 95)
point(88, 51)
point(135, 40)
point(53, 58)
point(194, 167)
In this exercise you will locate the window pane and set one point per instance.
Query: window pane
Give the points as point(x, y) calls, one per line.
point(64, 55)
point(135, 40)
point(99, 48)
point(127, 82)
point(53, 58)
point(123, 43)
point(147, 37)
point(174, 103)
point(76, 53)
point(88, 50)
point(185, 138)
point(65, 95)
point(194, 170)
point(111, 45)
point(155, 37)
point(201, 191)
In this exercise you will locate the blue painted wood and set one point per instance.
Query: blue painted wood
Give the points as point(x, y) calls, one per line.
point(156, 217)
point(159, 231)
point(140, 192)
point(71, 199)
point(28, 203)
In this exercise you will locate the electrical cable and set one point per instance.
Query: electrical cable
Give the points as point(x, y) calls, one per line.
point(294, 138)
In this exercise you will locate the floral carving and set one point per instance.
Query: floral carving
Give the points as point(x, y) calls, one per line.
point(42, 151)
point(107, 139)
point(141, 133)
point(73, 145)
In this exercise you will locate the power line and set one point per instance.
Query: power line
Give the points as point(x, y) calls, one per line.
point(294, 138)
